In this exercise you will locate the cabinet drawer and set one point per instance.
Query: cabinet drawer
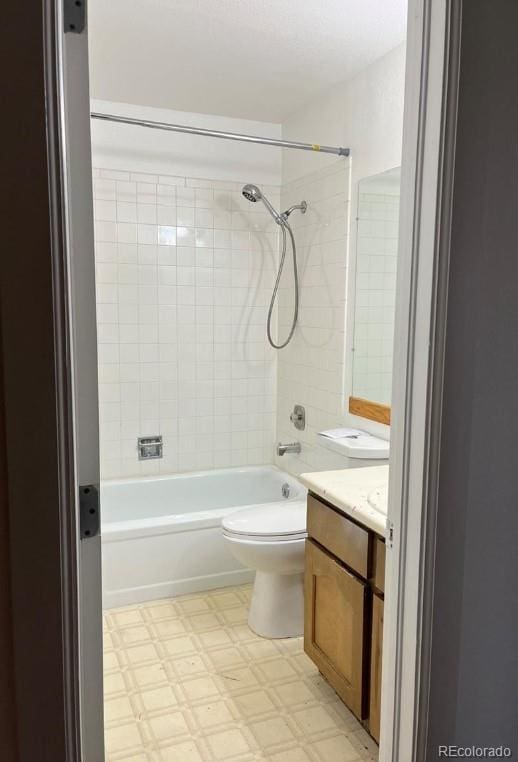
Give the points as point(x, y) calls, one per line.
point(378, 573)
point(335, 609)
point(342, 537)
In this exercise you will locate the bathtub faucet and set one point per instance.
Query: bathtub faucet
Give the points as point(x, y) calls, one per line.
point(291, 447)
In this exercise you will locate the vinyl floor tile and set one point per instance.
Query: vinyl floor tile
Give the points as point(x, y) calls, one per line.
point(186, 680)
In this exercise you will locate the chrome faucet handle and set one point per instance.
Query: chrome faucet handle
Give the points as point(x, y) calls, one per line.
point(298, 417)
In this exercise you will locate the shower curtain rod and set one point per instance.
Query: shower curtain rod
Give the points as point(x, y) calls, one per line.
point(220, 134)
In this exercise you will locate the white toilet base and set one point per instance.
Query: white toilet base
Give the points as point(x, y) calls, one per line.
point(277, 606)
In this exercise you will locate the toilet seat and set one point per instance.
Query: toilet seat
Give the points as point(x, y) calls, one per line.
point(275, 522)
point(275, 538)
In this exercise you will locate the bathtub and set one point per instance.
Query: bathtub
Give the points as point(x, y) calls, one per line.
point(161, 536)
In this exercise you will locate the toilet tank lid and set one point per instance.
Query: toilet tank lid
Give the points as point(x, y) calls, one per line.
point(361, 446)
point(282, 518)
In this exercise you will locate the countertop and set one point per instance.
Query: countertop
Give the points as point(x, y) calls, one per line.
point(360, 493)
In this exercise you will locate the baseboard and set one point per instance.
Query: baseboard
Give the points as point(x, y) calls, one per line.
point(129, 596)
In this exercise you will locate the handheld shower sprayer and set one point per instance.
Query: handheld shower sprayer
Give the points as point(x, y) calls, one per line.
point(253, 193)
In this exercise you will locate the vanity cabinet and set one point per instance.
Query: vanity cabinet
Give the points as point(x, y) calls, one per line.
point(375, 666)
point(335, 624)
point(343, 623)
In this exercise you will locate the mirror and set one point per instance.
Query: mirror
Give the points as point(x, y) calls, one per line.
point(375, 295)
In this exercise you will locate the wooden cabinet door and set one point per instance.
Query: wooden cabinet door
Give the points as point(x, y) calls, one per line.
point(376, 655)
point(334, 626)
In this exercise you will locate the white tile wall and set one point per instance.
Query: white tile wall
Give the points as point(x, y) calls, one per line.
point(185, 269)
point(377, 242)
point(311, 367)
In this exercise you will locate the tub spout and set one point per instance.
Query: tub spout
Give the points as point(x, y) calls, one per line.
point(291, 447)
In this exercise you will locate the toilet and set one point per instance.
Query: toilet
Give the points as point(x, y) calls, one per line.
point(270, 539)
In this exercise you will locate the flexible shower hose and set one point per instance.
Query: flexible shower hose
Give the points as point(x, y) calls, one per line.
point(285, 226)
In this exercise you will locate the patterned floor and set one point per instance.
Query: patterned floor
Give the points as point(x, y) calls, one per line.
point(187, 681)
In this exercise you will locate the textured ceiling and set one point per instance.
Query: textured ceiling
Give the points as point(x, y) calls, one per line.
point(256, 59)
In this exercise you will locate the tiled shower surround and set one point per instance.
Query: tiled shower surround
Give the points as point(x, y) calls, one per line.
point(311, 368)
point(185, 270)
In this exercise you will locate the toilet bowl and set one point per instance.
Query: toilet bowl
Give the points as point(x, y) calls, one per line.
point(270, 539)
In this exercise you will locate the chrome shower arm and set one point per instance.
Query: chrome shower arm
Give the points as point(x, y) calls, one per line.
point(302, 207)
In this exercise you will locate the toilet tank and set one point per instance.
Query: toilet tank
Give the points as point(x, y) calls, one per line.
point(359, 449)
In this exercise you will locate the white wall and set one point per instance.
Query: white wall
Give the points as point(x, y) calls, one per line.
point(366, 115)
point(185, 267)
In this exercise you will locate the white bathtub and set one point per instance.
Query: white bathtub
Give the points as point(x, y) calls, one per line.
point(161, 536)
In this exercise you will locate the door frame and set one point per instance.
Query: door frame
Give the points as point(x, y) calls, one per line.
point(47, 305)
point(426, 195)
point(78, 223)
point(44, 455)
point(35, 360)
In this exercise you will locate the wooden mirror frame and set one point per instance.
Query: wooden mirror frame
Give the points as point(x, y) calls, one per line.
point(374, 411)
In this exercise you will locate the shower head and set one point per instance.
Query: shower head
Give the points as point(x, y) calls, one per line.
point(253, 193)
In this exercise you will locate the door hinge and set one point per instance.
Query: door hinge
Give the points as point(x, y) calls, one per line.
point(89, 511)
point(74, 15)
point(390, 538)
